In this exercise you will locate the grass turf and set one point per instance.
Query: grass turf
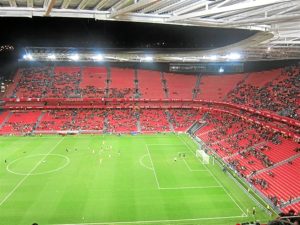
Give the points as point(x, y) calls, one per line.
point(81, 180)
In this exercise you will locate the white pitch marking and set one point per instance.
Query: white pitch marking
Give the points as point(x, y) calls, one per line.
point(143, 164)
point(154, 221)
point(190, 169)
point(208, 170)
point(41, 173)
point(153, 167)
point(25, 177)
point(196, 187)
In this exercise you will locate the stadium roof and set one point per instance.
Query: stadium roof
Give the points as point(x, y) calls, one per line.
point(276, 20)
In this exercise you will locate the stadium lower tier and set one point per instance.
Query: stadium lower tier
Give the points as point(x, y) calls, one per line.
point(267, 160)
point(99, 120)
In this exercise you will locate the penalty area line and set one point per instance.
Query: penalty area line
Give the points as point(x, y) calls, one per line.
point(214, 177)
point(153, 221)
point(193, 170)
point(196, 187)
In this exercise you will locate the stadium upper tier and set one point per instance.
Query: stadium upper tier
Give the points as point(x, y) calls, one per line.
point(274, 90)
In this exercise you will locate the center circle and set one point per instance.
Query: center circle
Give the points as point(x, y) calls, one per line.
point(48, 163)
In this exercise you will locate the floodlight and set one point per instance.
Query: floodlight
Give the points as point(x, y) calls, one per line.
point(212, 57)
point(233, 56)
point(27, 57)
point(98, 57)
point(74, 57)
point(51, 56)
point(148, 58)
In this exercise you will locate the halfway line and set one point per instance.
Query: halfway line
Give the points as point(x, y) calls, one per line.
point(24, 178)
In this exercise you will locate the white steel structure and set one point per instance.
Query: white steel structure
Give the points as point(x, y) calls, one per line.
point(278, 21)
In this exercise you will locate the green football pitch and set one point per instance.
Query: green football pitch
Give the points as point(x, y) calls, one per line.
point(111, 179)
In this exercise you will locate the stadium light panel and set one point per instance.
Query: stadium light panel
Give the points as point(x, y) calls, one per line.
point(27, 57)
point(148, 58)
point(212, 57)
point(98, 57)
point(51, 56)
point(74, 57)
point(233, 56)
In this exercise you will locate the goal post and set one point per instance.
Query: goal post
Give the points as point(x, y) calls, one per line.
point(203, 156)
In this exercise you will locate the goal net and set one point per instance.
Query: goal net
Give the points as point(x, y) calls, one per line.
point(202, 156)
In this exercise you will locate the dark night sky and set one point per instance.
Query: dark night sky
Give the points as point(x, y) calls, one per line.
point(71, 32)
point(108, 34)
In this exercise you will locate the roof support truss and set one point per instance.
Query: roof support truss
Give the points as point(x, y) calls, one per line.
point(65, 4)
point(173, 5)
point(133, 7)
point(155, 6)
point(236, 7)
point(12, 3)
point(83, 4)
point(192, 7)
point(30, 3)
point(49, 7)
point(101, 4)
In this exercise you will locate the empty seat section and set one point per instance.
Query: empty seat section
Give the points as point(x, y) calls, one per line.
point(21, 122)
point(180, 86)
point(246, 165)
point(205, 129)
point(295, 206)
point(122, 83)
point(216, 87)
point(3, 115)
point(93, 82)
point(260, 79)
point(282, 151)
point(150, 84)
point(285, 181)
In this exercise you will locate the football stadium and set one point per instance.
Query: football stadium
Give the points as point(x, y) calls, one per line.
point(147, 112)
